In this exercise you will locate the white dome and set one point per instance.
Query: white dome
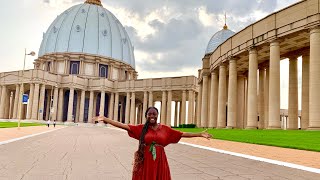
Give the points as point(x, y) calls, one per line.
point(218, 38)
point(91, 29)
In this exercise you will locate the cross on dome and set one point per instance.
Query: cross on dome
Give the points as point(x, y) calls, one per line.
point(225, 21)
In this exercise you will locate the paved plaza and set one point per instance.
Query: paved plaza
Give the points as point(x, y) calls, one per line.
point(75, 153)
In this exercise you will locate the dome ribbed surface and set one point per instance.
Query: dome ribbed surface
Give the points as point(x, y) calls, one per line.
point(218, 38)
point(91, 29)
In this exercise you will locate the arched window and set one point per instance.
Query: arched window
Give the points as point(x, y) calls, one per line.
point(74, 67)
point(103, 71)
point(48, 66)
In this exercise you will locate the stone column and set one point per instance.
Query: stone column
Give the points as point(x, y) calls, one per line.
point(145, 105)
point(293, 93)
point(70, 105)
point(127, 118)
point(90, 113)
point(49, 102)
point(102, 102)
point(78, 106)
point(232, 94)
point(274, 86)
point(261, 123)
point(3, 102)
point(222, 97)
point(176, 113)
point(169, 107)
point(183, 107)
point(41, 101)
point(16, 101)
point(95, 100)
point(11, 102)
point(314, 85)
point(35, 103)
point(266, 98)
point(245, 117)
point(111, 106)
point(198, 107)
point(116, 106)
point(82, 99)
point(213, 100)
point(30, 101)
point(55, 103)
point(7, 104)
point(0, 93)
point(121, 109)
point(190, 106)
point(150, 104)
point(133, 108)
point(305, 92)
point(241, 99)
point(60, 105)
point(252, 122)
point(139, 110)
point(163, 108)
point(20, 105)
point(204, 101)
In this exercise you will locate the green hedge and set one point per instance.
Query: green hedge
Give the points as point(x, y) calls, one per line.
point(185, 126)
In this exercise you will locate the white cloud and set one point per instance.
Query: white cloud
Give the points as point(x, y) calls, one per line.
point(177, 30)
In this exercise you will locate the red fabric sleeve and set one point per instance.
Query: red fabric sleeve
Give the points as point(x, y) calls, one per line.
point(135, 131)
point(174, 136)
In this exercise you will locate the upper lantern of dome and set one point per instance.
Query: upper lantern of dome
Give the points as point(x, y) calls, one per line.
point(218, 38)
point(91, 29)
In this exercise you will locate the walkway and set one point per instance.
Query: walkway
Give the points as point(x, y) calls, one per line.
point(105, 153)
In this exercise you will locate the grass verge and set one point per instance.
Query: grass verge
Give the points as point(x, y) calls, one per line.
point(15, 124)
point(295, 139)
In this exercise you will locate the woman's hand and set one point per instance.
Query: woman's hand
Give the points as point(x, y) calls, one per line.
point(101, 118)
point(112, 122)
point(206, 135)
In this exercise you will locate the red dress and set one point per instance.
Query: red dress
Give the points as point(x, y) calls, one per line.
point(157, 169)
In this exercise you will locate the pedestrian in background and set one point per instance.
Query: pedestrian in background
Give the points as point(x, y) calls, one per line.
point(48, 123)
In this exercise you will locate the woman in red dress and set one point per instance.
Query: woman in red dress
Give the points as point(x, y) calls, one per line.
point(150, 160)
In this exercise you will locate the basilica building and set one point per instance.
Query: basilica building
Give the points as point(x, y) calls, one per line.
point(86, 67)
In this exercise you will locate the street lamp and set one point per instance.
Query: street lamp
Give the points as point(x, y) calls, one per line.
point(20, 104)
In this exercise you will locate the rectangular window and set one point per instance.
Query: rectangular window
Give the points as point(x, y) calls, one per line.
point(74, 67)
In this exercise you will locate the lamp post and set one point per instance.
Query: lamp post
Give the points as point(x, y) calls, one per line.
point(20, 104)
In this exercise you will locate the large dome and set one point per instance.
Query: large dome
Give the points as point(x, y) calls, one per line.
point(91, 29)
point(218, 38)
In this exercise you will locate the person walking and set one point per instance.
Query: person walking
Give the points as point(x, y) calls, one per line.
point(150, 161)
point(54, 123)
point(48, 122)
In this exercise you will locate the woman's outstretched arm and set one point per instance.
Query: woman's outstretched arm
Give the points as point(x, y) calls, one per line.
point(114, 123)
point(202, 134)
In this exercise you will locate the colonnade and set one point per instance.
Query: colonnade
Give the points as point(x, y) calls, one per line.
point(46, 100)
point(253, 101)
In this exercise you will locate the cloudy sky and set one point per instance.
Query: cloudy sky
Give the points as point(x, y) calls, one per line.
point(170, 37)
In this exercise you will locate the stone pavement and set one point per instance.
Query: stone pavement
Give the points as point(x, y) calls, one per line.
point(104, 153)
point(12, 133)
point(299, 157)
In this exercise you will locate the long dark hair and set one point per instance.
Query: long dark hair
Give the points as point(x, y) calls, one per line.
point(139, 154)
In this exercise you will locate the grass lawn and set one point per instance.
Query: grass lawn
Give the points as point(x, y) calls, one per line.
point(296, 139)
point(15, 124)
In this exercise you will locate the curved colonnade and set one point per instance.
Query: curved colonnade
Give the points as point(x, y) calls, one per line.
point(240, 79)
